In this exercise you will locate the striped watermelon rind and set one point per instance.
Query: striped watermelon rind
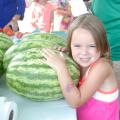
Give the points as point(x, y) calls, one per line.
point(35, 40)
point(5, 43)
point(29, 77)
point(45, 36)
point(21, 47)
point(1, 62)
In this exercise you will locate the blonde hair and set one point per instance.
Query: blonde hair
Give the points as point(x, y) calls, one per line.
point(91, 23)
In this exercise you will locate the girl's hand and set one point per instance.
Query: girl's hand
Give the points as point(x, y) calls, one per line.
point(57, 62)
point(60, 48)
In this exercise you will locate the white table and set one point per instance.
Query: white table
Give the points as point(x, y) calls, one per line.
point(31, 110)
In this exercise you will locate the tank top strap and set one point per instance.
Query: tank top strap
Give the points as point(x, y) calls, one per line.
point(87, 72)
point(90, 67)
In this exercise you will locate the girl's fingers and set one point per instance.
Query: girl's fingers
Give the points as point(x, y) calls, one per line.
point(61, 54)
point(50, 55)
point(47, 53)
point(64, 49)
point(55, 47)
point(60, 48)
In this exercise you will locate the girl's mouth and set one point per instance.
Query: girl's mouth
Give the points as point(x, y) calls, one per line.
point(85, 60)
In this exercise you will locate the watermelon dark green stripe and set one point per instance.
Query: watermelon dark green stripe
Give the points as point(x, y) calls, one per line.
point(37, 96)
point(40, 88)
point(34, 81)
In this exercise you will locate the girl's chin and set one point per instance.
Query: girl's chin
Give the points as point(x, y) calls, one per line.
point(84, 64)
point(85, 61)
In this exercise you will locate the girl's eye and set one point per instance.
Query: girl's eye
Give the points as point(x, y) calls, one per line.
point(92, 46)
point(76, 45)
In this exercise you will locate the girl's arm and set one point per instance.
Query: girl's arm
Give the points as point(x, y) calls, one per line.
point(74, 96)
point(69, 90)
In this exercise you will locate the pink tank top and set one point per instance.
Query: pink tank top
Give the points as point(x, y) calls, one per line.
point(102, 106)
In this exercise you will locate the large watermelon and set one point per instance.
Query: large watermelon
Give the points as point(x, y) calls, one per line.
point(29, 77)
point(34, 40)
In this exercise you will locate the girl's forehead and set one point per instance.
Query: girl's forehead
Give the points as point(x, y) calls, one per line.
point(82, 35)
point(81, 30)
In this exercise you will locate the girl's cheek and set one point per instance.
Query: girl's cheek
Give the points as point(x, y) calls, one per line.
point(74, 52)
point(95, 53)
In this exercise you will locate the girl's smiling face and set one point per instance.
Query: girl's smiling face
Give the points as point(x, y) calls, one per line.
point(83, 48)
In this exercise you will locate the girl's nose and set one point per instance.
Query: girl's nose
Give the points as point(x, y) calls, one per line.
point(84, 50)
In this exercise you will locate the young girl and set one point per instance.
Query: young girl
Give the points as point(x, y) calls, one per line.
point(96, 96)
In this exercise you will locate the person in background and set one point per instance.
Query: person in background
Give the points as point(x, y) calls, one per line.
point(88, 4)
point(64, 9)
point(78, 7)
point(10, 12)
point(110, 17)
point(96, 95)
point(42, 15)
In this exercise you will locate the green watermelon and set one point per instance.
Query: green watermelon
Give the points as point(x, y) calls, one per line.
point(27, 76)
point(21, 47)
point(44, 36)
point(34, 40)
point(5, 43)
point(1, 62)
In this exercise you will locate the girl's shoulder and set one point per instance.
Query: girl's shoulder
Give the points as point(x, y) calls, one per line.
point(102, 68)
point(102, 63)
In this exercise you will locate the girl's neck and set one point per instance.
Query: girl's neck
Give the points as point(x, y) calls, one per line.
point(83, 71)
